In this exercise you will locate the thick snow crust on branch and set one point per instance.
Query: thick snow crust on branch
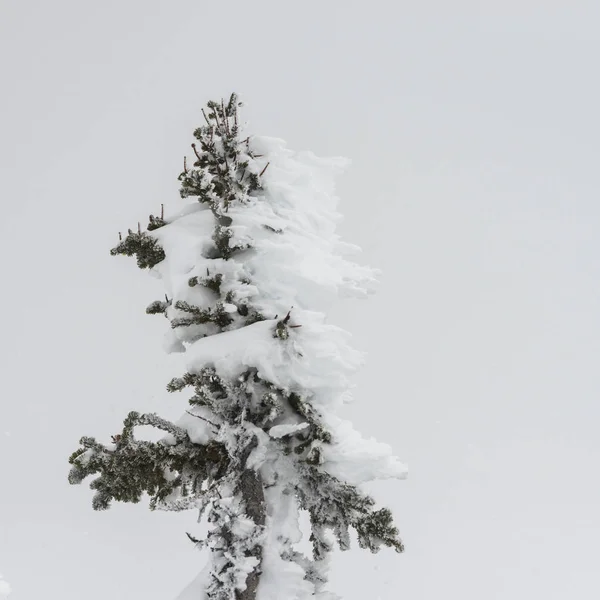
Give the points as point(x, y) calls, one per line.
point(318, 358)
point(294, 259)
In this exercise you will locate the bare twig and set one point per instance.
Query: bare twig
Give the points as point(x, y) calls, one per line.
point(216, 118)
point(194, 540)
point(203, 419)
point(196, 151)
point(225, 117)
point(262, 172)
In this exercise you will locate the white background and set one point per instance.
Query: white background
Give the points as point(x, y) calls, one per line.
point(474, 134)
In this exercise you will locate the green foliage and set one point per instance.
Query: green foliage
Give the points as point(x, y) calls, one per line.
point(249, 398)
point(200, 316)
point(253, 316)
point(129, 468)
point(155, 223)
point(282, 328)
point(141, 245)
point(158, 307)
point(212, 283)
point(217, 314)
point(301, 407)
point(221, 171)
point(222, 238)
point(337, 506)
point(376, 529)
point(193, 184)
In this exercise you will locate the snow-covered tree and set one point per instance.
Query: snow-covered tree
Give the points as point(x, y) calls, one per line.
point(249, 265)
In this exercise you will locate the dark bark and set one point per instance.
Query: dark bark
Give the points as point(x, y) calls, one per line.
point(252, 491)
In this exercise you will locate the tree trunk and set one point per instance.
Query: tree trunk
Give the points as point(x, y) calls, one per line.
point(252, 491)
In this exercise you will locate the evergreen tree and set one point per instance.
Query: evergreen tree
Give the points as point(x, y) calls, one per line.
point(249, 264)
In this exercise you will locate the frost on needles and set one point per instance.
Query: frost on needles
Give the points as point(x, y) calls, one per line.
point(249, 264)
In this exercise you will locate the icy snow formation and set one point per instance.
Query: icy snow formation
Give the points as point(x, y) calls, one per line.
point(295, 259)
point(317, 359)
point(303, 265)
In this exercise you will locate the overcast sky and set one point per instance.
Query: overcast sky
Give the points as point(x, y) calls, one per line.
point(474, 135)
